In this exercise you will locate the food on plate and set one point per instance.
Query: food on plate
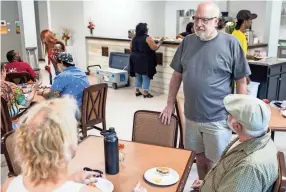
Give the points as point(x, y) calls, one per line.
point(163, 171)
point(283, 112)
point(92, 185)
point(30, 82)
point(121, 146)
point(266, 101)
point(157, 180)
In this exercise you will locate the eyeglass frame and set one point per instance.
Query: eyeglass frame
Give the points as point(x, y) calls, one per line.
point(204, 20)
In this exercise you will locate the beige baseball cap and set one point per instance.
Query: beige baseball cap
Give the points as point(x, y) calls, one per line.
point(252, 113)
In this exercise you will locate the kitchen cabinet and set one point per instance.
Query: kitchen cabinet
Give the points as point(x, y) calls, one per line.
point(271, 74)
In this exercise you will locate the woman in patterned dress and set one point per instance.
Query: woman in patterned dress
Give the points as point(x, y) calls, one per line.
point(14, 95)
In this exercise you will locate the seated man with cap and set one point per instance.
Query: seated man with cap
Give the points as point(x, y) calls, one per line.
point(249, 163)
point(71, 81)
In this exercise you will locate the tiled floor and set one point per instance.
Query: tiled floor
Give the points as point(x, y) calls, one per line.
point(121, 105)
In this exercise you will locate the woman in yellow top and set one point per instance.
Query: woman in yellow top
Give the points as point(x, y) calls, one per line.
point(244, 21)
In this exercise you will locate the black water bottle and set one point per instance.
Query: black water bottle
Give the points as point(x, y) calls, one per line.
point(111, 152)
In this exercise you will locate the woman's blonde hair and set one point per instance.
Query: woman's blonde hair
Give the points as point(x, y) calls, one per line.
point(45, 137)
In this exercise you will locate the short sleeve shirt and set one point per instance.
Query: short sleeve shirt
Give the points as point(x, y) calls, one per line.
point(241, 37)
point(208, 69)
point(72, 81)
point(20, 67)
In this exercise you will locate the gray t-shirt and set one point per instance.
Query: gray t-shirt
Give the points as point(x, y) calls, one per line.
point(208, 69)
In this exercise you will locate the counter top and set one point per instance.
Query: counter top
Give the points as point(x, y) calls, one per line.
point(126, 39)
point(258, 45)
point(268, 61)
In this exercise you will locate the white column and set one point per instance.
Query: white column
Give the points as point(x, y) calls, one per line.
point(28, 22)
point(28, 25)
point(272, 26)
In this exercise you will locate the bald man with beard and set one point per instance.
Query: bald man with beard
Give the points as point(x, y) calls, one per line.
point(207, 62)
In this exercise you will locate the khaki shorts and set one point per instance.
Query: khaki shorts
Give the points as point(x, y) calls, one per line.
point(209, 138)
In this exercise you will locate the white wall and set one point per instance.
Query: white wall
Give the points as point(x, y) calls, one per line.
point(10, 41)
point(70, 15)
point(42, 22)
point(29, 23)
point(170, 13)
point(113, 18)
point(283, 23)
point(258, 7)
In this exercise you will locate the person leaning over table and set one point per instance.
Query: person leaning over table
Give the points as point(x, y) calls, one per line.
point(45, 143)
point(15, 96)
point(71, 81)
point(143, 59)
point(249, 163)
point(207, 62)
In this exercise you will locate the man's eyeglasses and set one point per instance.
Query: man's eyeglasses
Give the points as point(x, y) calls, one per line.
point(204, 20)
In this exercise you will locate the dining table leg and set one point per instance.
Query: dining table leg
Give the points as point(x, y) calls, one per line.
point(272, 134)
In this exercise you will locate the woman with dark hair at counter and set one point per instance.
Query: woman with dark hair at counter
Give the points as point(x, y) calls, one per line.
point(143, 59)
point(189, 30)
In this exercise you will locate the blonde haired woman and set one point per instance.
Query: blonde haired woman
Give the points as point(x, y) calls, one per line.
point(45, 143)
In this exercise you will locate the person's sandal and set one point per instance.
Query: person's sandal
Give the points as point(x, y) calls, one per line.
point(138, 94)
point(148, 96)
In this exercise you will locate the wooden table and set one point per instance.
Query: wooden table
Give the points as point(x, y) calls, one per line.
point(38, 98)
point(138, 159)
point(277, 122)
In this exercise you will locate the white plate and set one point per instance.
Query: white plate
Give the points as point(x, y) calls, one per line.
point(104, 185)
point(156, 178)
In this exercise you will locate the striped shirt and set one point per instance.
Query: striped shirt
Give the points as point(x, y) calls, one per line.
point(251, 166)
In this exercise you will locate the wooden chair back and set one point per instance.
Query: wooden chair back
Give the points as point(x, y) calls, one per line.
point(180, 114)
point(148, 129)
point(9, 152)
point(6, 123)
point(280, 184)
point(93, 107)
point(18, 77)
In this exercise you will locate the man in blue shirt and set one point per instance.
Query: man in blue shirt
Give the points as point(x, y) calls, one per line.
point(71, 81)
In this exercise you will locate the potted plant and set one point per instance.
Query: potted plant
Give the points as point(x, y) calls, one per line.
point(91, 27)
point(230, 27)
point(66, 35)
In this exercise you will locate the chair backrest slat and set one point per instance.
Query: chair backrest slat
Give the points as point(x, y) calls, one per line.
point(6, 123)
point(18, 77)
point(280, 183)
point(148, 129)
point(9, 152)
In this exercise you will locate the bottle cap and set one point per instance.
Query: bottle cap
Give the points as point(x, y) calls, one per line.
point(111, 130)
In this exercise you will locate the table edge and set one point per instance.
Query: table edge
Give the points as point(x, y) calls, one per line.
point(283, 129)
point(181, 149)
point(186, 173)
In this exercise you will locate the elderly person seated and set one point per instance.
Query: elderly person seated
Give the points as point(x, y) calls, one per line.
point(249, 163)
point(45, 143)
point(71, 81)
